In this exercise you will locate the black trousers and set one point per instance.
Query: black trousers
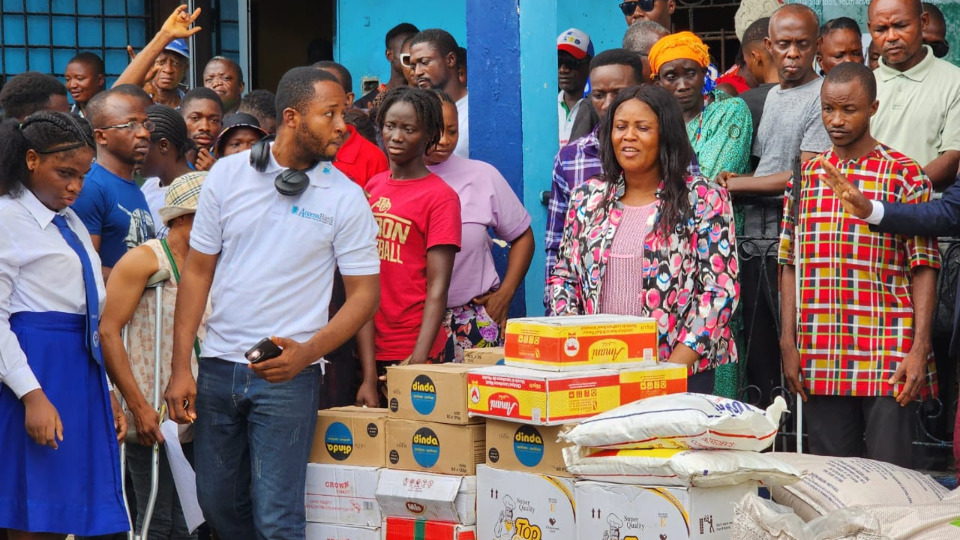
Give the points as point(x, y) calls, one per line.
point(871, 427)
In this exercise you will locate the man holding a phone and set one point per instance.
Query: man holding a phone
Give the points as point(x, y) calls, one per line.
point(271, 226)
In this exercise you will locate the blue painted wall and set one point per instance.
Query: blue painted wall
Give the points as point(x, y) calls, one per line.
point(601, 20)
point(363, 24)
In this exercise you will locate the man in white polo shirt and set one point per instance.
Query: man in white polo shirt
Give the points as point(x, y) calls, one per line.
point(919, 94)
point(271, 226)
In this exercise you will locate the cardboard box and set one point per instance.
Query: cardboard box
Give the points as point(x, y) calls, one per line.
point(429, 392)
point(552, 398)
point(434, 447)
point(624, 511)
point(350, 436)
point(343, 495)
point(329, 531)
point(525, 448)
point(484, 355)
point(520, 505)
point(434, 497)
point(580, 342)
point(412, 529)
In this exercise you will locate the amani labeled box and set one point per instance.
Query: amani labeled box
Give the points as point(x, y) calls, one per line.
point(580, 342)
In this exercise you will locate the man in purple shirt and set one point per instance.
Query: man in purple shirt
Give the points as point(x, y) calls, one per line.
point(610, 72)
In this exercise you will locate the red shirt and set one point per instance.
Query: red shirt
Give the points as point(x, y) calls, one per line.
point(359, 158)
point(412, 217)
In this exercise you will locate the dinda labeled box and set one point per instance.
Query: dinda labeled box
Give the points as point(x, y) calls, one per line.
point(429, 392)
point(525, 448)
point(627, 511)
point(513, 504)
point(580, 342)
point(350, 436)
point(434, 447)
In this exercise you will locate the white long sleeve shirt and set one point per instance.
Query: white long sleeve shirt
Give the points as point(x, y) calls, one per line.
point(38, 272)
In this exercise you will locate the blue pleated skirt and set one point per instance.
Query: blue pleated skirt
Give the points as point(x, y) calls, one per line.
point(75, 489)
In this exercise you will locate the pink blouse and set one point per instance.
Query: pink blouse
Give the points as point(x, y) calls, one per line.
point(622, 291)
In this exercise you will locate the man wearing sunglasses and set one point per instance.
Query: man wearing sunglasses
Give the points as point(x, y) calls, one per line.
point(574, 51)
point(658, 11)
point(111, 205)
point(394, 41)
point(433, 53)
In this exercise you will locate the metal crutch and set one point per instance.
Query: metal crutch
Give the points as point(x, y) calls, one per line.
point(155, 282)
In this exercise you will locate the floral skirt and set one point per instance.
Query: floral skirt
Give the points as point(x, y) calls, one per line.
point(468, 327)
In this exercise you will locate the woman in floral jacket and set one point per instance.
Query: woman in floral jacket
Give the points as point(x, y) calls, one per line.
point(648, 238)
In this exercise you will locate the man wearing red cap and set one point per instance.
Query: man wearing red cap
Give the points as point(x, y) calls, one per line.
point(574, 51)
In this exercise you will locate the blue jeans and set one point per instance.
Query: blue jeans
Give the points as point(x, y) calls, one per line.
point(167, 521)
point(251, 445)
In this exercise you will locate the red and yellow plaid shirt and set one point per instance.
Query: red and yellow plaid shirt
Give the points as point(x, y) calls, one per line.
point(855, 320)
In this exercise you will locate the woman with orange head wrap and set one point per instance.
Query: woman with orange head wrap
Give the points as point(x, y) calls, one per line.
point(720, 130)
point(719, 127)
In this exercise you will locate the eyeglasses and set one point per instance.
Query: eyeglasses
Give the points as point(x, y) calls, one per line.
point(405, 60)
point(570, 62)
point(628, 8)
point(133, 126)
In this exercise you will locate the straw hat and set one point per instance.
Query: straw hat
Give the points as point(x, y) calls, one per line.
point(182, 196)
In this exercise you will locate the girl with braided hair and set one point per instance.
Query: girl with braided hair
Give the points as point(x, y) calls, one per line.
point(59, 423)
point(419, 235)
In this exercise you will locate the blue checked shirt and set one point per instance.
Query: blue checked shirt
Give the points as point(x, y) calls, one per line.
point(576, 163)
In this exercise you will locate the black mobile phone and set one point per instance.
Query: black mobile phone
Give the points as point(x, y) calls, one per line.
point(264, 350)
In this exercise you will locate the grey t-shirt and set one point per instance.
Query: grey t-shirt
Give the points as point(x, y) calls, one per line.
point(791, 125)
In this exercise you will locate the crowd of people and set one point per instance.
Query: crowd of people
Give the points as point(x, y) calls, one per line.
point(305, 240)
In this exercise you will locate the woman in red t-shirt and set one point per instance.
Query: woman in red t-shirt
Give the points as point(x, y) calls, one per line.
point(418, 216)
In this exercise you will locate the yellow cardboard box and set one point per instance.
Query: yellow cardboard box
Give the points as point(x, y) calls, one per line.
point(580, 342)
point(350, 436)
point(435, 447)
point(548, 398)
point(525, 448)
point(429, 392)
point(484, 355)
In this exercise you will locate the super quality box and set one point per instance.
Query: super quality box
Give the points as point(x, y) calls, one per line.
point(525, 448)
point(580, 342)
point(434, 447)
point(331, 531)
point(350, 436)
point(435, 497)
point(624, 511)
point(554, 398)
point(513, 504)
point(429, 392)
point(342, 495)
point(415, 529)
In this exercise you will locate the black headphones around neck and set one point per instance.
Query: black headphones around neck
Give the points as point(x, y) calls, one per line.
point(290, 182)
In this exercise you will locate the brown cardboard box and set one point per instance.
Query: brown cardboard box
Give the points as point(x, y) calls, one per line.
point(429, 393)
point(525, 448)
point(484, 355)
point(350, 436)
point(435, 447)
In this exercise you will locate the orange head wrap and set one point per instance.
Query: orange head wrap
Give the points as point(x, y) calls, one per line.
point(677, 46)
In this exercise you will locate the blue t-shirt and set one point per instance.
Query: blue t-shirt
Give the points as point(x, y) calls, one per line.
point(116, 210)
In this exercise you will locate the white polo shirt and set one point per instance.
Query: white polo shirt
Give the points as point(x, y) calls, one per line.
point(277, 253)
point(919, 112)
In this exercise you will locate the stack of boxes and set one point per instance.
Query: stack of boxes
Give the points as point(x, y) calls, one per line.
point(433, 447)
point(557, 371)
point(347, 459)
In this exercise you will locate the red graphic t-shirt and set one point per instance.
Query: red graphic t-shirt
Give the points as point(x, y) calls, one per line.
point(413, 216)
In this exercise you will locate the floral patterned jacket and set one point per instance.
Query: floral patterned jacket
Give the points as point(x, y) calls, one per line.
point(690, 276)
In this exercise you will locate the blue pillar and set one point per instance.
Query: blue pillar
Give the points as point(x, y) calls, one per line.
point(511, 60)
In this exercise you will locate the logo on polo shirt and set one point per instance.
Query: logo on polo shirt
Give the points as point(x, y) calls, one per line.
point(312, 216)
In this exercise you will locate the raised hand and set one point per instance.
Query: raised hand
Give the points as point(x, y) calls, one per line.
point(853, 201)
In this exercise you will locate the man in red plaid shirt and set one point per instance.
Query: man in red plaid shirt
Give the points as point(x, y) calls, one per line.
point(856, 343)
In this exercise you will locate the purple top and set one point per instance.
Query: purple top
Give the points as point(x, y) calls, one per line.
point(486, 201)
